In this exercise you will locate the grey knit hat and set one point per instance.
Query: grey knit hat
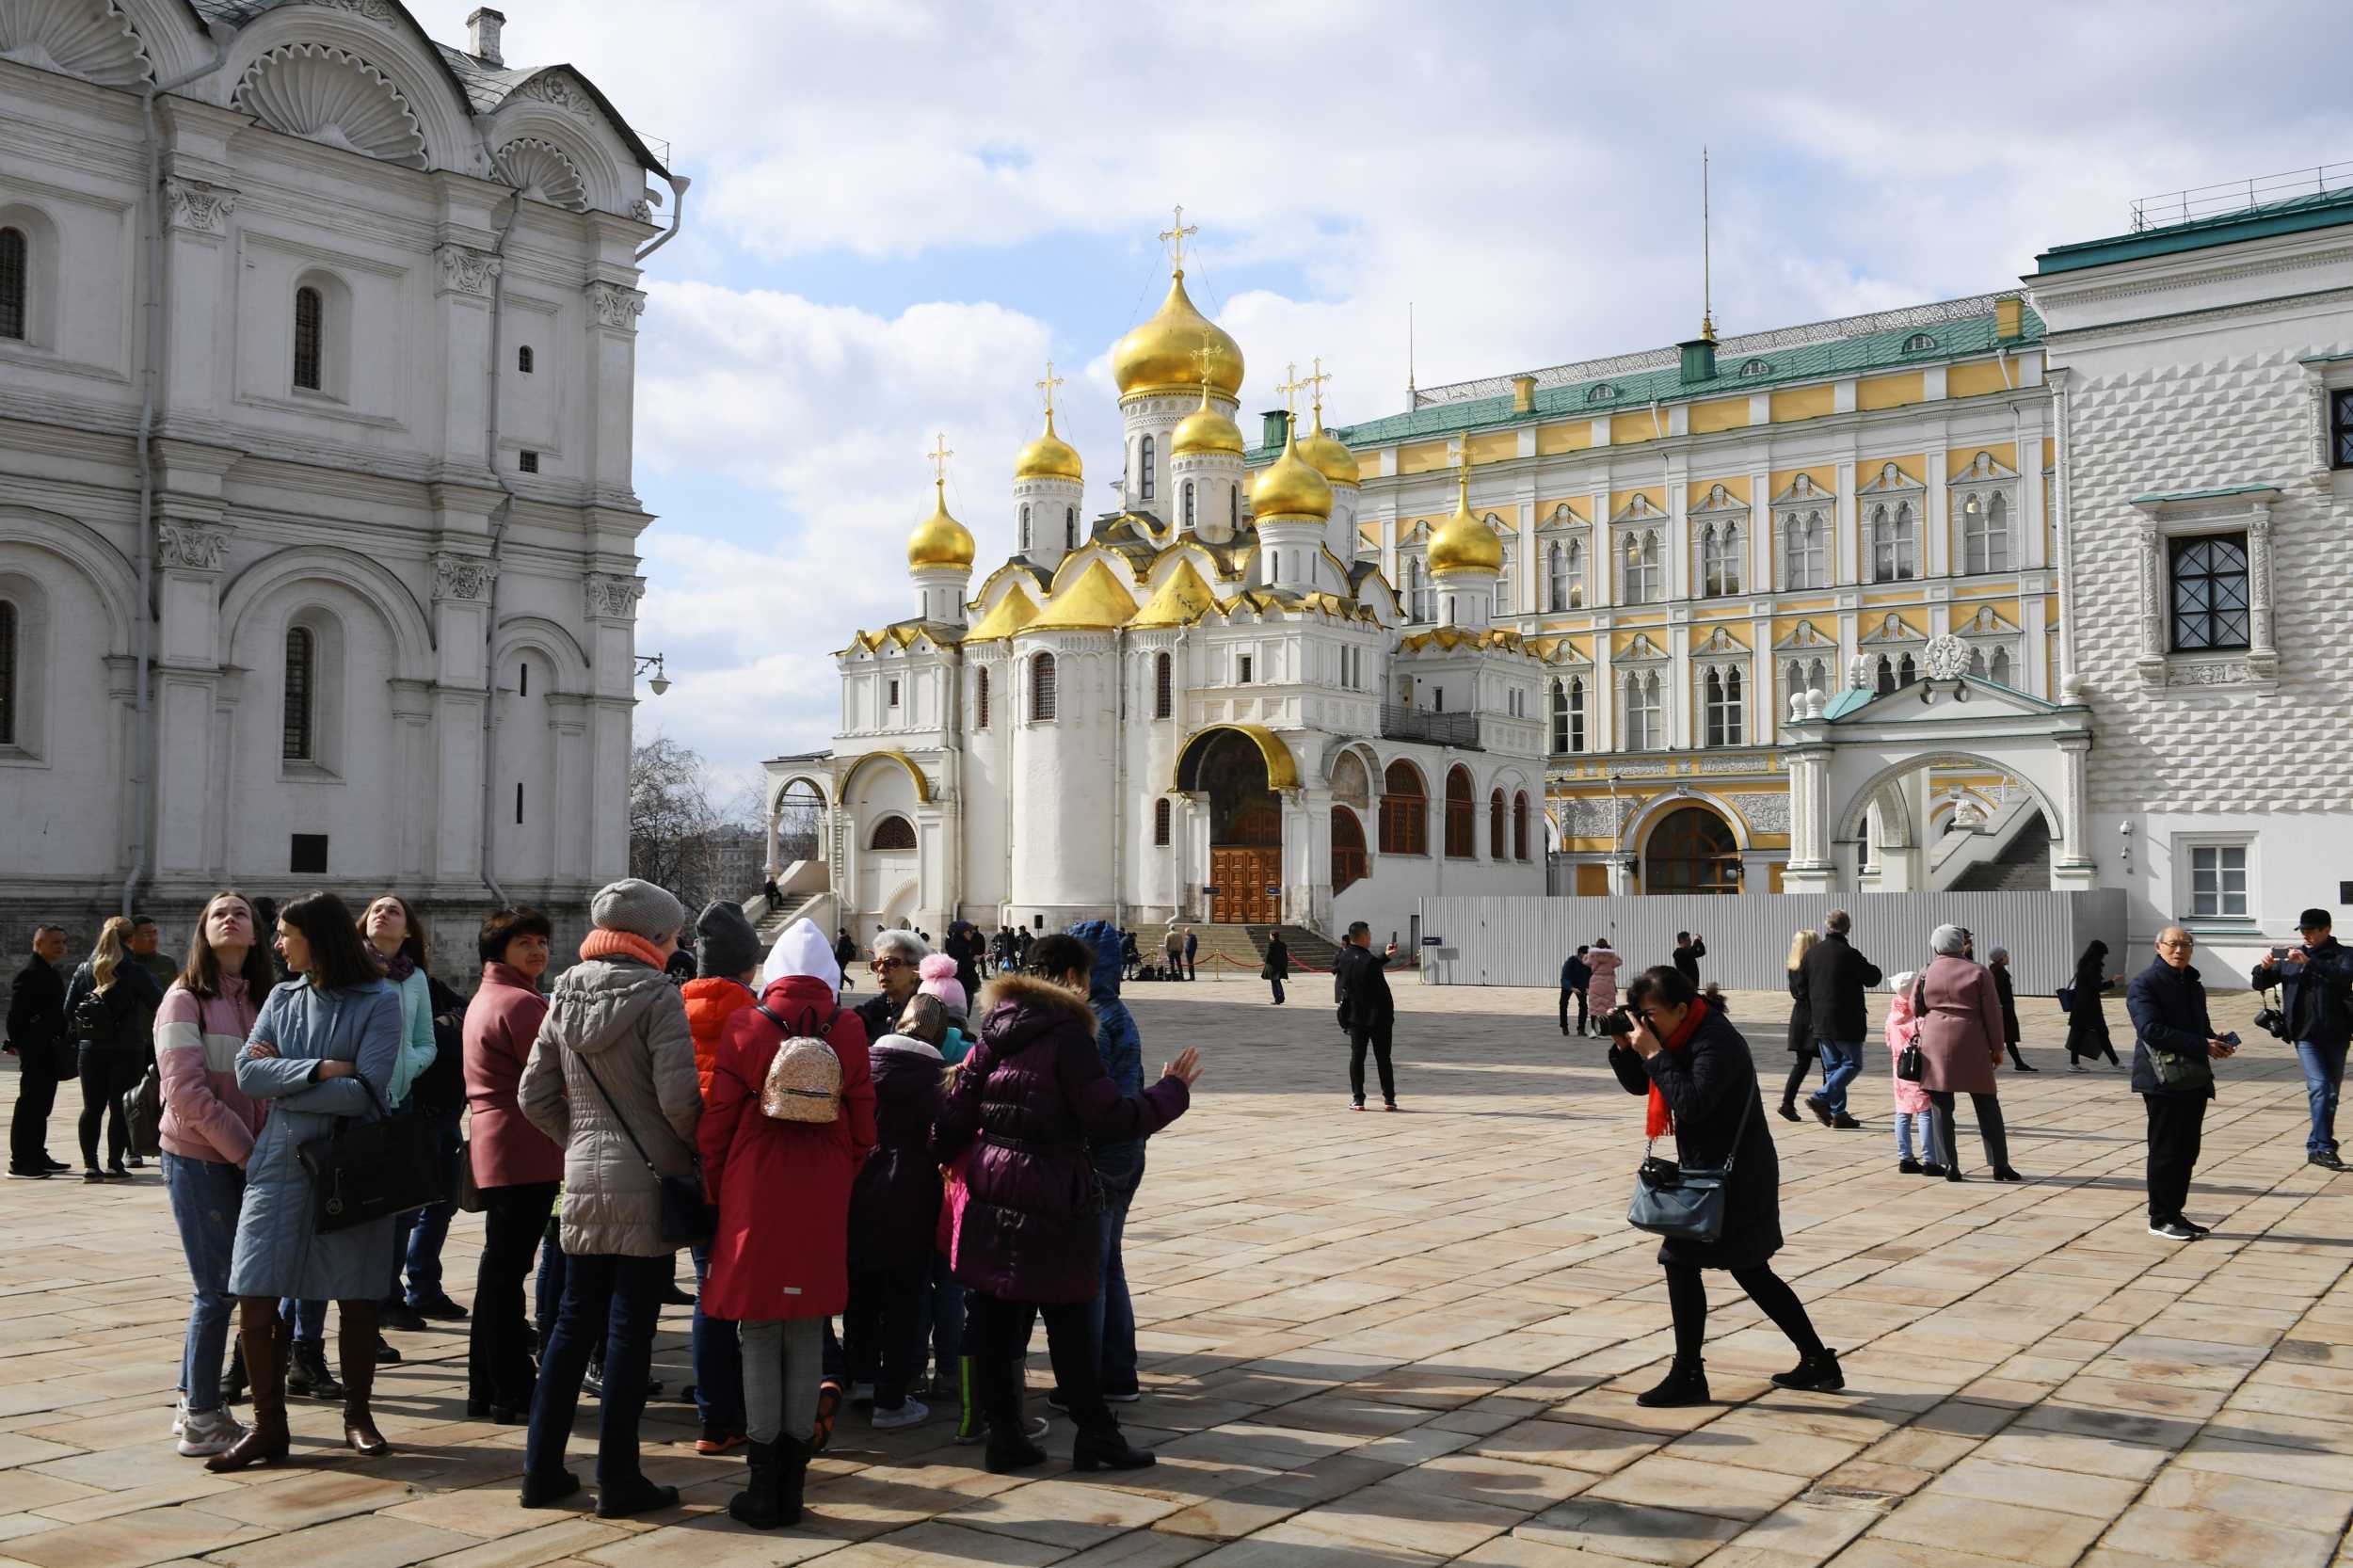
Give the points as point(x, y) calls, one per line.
point(638, 908)
point(1948, 940)
point(727, 944)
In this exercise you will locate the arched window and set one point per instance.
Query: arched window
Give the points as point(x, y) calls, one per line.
point(892, 832)
point(15, 282)
point(1404, 811)
point(1641, 568)
point(1643, 731)
point(1461, 829)
point(1576, 575)
point(1188, 504)
point(522, 359)
point(1576, 713)
point(1985, 532)
point(1691, 850)
point(310, 333)
point(1070, 528)
point(1519, 824)
point(1556, 578)
point(1976, 662)
point(1025, 527)
point(1494, 825)
point(2001, 667)
point(8, 673)
point(1349, 860)
point(1163, 686)
point(1559, 717)
point(1042, 687)
point(1724, 717)
point(1905, 673)
point(1886, 674)
point(1895, 546)
point(1159, 821)
point(298, 730)
point(1720, 559)
point(1234, 499)
point(980, 699)
point(1144, 469)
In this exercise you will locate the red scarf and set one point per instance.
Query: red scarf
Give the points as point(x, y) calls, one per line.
point(1658, 1121)
point(619, 944)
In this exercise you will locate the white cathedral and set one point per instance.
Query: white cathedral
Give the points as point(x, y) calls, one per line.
point(1202, 706)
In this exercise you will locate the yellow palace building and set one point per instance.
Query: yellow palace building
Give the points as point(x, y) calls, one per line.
point(1697, 537)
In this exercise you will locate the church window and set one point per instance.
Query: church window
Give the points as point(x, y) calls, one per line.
point(528, 461)
point(1144, 469)
point(2210, 599)
point(1519, 824)
point(2000, 670)
point(8, 673)
point(301, 682)
point(1895, 544)
point(1494, 825)
point(980, 699)
point(1804, 562)
point(1641, 568)
point(1460, 841)
point(522, 359)
point(1159, 821)
point(1025, 528)
point(1724, 713)
point(1720, 559)
point(1070, 528)
point(895, 694)
point(1985, 532)
point(1042, 688)
point(892, 832)
point(15, 282)
point(1188, 504)
point(1163, 686)
point(1644, 729)
point(1404, 811)
point(2340, 415)
point(310, 325)
point(1243, 665)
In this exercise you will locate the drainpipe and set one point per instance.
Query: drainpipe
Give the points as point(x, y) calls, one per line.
point(678, 183)
point(499, 515)
point(152, 307)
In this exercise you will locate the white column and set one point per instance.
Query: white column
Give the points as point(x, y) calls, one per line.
point(2073, 865)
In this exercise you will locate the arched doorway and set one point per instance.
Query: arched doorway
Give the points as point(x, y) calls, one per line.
point(800, 811)
point(1349, 864)
point(1245, 829)
point(1691, 850)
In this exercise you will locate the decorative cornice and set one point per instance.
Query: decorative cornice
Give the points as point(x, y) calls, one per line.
point(198, 205)
point(616, 308)
point(191, 547)
point(612, 596)
point(465, 270)
point(466, 577)
point(380, 11)
point(2077, 337)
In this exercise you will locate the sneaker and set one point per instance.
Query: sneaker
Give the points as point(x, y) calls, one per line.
point(1907, 1167)
point(2188, 1224)
point(1388, 1105)
point(206, 1432)
point(914, 1413)
point(1845, 1122)
point(395, 1313)
point(133, 1160)
point(2325, 1159)
point(56, 1167)
point(1352, 1105)
point(718, 1440)
point(592, 1381)
point(2173, 1230)
point(1930, 1168)
point(1126, 1396)
point(1822, 1114)
point(2075, 1067)
point(1788, 1111)
point(438, 1307)
point(179, 1415)
point(114, 1172)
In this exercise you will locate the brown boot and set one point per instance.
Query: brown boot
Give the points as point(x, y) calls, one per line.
point(354, 1344)
point(265, 1341)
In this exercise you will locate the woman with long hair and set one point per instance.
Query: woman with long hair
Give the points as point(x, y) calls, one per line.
point(323, 1050)
point(2087, 1023)
point(1800, 1023)
point(402, 945)
point(103, 1004)
point(208, 1130)
point(517, 1167)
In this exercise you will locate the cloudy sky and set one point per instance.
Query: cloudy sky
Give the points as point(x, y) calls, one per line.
point(901, 210)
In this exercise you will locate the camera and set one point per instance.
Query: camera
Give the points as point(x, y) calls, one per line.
point(1617, 1023)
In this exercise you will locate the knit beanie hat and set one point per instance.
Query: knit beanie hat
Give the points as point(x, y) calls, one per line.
point(939, 979)
point(728, 944)
point(1948, 940)
point(638, 908)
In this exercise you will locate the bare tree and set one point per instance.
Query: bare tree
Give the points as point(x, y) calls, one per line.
point(672, 821)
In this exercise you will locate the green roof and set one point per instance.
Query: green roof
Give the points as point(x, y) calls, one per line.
point(1870, 353)
point(2320, 210)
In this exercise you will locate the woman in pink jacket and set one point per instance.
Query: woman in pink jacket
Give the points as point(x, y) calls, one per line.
point(515, 1166)
point(208, 1129)
point(1601, 992)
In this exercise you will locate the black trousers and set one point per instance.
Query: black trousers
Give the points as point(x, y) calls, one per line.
point(1276, 981)
point(996, 1338)
point(1990, 1126)
point(2177, 1125)
point(499, 1368)
point(1797, 1069)
point(1580, 1011)
point(1377, 1036)
point(36, 1097)
point(1687, 1298)
point(106, 1075)
point(879, 1328)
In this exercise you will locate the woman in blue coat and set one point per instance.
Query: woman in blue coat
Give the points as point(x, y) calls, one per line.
point(323, 1048)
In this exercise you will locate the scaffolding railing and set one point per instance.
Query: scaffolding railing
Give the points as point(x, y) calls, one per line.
point(2238, 196)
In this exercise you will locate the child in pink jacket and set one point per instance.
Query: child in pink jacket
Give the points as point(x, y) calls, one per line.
point(1912, 1101)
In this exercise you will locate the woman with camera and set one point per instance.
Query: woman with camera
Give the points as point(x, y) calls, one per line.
point(1676, 1049)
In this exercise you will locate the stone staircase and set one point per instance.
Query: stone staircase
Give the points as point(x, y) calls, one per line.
point(1232, 950)
point(771, 924)
point(2022, 867)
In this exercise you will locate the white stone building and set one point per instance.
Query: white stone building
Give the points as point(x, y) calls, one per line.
point(317, 561)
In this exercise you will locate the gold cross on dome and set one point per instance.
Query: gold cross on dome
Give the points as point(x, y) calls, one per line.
point(1178, 234)
point(1048, 386)
point(1291, 389)
point(1314, 384)
point(938, 458)
point(1207, 354)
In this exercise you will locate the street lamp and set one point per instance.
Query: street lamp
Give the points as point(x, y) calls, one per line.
point(660, 683)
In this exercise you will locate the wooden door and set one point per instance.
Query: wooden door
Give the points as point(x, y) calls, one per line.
point(1242, 877)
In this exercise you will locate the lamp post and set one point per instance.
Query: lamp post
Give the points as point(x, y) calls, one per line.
point(661, 682)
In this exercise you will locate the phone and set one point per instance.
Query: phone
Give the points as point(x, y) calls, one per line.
point(2230, 1039)
point(2279, 952)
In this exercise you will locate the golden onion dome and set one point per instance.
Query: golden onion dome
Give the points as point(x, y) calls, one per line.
point(1463, 542)
point(939, 540)
point(1287, 487)
point(1165, 354)
point(1048, 458)
point(1329, 456)
point(1207, 429)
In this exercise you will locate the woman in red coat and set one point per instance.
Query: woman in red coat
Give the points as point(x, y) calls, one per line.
point(1960, 1041)
point(779, 1264)
point(517, 1168)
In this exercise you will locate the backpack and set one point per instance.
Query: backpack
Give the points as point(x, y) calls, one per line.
point(147, 1116)
point(803, 1082)
point(96, 1023)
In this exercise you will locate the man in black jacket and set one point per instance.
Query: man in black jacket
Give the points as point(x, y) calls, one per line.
point(1689, 950)
point(2316, 983)
point(2167, 1005)
point(36, 1038)
point(1576, 975)
point(1836, 979)
point(1366, 1011)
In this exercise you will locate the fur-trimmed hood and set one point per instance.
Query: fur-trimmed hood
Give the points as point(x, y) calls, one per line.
point(1014, 1009)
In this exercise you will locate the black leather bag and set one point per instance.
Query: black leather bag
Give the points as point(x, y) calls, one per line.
point(368, 1170)
point(688, 1219)
point(1685, 1202)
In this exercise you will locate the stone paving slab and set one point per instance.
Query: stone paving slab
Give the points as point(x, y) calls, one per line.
point(1399, 1340)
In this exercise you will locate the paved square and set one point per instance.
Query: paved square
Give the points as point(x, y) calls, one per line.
point(1400, 1339)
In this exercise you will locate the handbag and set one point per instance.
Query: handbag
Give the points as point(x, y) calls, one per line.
point(147, 1114)
point(2065, 997)
point(1911, 1065)
point(468, 1194)
point(1685, 1203)
point(368, 1170)
point(688, 1218)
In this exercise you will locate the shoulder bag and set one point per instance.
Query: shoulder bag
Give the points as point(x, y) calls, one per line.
point(147, 1114)
point(1910, 1065)
point(2065, 997)
point(1686, 1202)
point(688, 1218)
point(368, 1170)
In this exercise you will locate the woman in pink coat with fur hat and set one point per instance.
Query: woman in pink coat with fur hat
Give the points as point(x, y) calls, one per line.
point(1601, 992)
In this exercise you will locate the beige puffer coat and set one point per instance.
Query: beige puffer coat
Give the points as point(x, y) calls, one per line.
point(623, 1019)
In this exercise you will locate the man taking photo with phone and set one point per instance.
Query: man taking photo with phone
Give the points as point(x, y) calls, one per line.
point(1366, 1011)
point(2316, 981)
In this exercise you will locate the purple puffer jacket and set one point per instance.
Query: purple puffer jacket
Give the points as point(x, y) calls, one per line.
point(894, 1207)
point(1031, 1095)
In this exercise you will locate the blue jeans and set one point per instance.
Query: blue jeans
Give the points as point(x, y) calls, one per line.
point(1923, 1123)
point(308, 1318)
point(1841, 1061)
point(718, 1357)
point(428, 1227)
point(614, 1302)
point(2324, 1075)
point(205, 1195)
point(939, 1323)
point(1111, 1316)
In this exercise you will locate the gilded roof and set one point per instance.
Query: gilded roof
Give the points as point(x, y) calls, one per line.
point(1009, 616)
point(1094, 601)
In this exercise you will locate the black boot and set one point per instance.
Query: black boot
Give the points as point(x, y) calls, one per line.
point(1687, 1383)
point(1009, 1446)
point(757, 1504)
point(1817, 1370)
point(1107, 1449)
point(791, 1477)
point(232, 1386)
point(309, 1376)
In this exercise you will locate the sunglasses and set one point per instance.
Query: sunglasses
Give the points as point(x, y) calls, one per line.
point(884, 965)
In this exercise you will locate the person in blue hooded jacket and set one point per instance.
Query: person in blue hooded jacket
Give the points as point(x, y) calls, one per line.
point(1119, 1166)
